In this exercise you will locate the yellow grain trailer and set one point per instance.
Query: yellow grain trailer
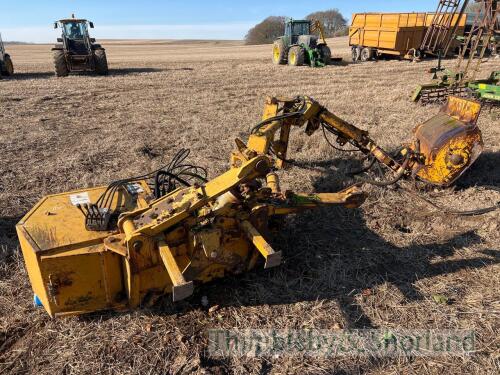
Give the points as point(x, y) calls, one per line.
point(397, 34)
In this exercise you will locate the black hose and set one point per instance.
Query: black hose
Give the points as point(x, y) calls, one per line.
point(284, 116)
point(364, 169)
point(165, 179)
point(325, 129)
point(480, 211)
point(396, 178)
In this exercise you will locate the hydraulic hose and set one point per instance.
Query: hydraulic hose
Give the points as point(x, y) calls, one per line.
point(396, 178)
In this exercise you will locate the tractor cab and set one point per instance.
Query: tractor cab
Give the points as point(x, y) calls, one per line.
point(297, 27)
point(299, 32)
point(75, 35)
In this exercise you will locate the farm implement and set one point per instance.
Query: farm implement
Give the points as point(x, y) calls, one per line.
point(485, 90)
point(462, 80)
point(128, 244)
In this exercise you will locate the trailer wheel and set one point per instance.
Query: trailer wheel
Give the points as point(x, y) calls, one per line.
point(279, 52)
point(8, 66)
point(296, 56)
point(356, 52)
point(366, 54)
point(101, 62)
point(60, 65)
point(326, 54)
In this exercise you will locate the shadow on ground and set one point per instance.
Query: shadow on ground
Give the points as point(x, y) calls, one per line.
point(8, 240)
point(8, 226)
point(29, 76)
point(483, 172)
point(127, 71)
point(338, 261)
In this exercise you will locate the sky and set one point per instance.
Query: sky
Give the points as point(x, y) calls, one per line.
point(32, 20)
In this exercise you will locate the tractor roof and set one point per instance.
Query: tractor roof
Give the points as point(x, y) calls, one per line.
point(77, 20)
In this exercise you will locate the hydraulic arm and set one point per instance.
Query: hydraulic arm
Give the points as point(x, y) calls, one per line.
point(442, 149)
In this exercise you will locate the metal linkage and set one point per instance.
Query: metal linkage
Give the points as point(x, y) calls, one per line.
point(441, 33)
point(440, 95)
point(462, 81)
point(477, 40)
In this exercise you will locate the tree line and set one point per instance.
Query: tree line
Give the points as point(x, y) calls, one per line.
point(273, 27)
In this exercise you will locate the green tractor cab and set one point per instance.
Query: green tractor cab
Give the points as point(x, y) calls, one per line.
point(6, 66)
point(303, 43)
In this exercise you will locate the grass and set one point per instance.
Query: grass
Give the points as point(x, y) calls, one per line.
point(378, 266)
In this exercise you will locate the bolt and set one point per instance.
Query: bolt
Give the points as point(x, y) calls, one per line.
point(137, 245)
point(262, 167)
point(457, 159)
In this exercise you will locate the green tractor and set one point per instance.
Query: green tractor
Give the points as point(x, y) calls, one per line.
point(6, 66)
point(76, 51)
point(303, 43)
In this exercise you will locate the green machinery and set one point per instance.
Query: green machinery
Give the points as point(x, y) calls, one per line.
point(303, 43)
point(477, 43)
point(451, 83)
point(487, 90)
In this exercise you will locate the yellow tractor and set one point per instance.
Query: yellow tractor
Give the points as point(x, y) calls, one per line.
point(128, 244)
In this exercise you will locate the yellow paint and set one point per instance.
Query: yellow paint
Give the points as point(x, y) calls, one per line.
point(276, 53)
point(147, 256)
point(448, 142)
point(200, 233)
point(393, 33)
point(272, 257)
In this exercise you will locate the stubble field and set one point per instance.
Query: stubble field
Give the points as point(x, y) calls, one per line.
point(379, 266)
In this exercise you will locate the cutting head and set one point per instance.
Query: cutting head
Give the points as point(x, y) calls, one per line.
point(449, 143)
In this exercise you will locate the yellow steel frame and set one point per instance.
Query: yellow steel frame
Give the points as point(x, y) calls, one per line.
point(200, 233)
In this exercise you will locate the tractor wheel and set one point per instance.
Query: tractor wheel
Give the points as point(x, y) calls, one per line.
point(366, 54)
point(279, 52)
point(60, 65)
point(101, 62)
point(326, 54)
point(356, 53)
point(8, 66)
point(296, 56)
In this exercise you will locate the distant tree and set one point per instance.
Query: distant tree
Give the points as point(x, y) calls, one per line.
point(333, 22)
point(266, 31)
